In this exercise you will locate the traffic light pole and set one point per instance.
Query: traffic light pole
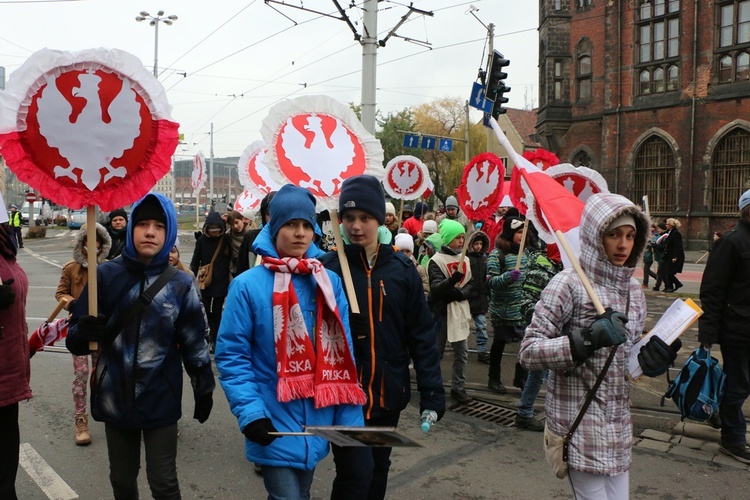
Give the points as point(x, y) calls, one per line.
point(491, 38)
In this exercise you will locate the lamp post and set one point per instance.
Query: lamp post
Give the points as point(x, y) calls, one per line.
point(154, 21)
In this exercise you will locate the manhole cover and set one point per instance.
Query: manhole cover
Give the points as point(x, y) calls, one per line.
point(489, 412)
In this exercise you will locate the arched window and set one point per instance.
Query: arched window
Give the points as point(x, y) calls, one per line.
point(584, 54)
point(658, 80)
point(730, 171)
point(654, 175)
point(582, 159)
point(644, 83)
point(673, 78)
point(732, 37)
point(725, 69)
point(583, 76)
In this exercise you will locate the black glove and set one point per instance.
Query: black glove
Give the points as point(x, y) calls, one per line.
point(92, 328)
point(656, 356)
point(71, 304)
point(203, 405)
point(606, 330)
point(7, 295)
point(257, 431)
point(359, 324)
point(456, 278)
point(455, 295)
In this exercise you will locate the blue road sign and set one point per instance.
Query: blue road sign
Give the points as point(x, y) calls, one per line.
point(446, 145)
point(478, 99)
point(428, 142)
point(411, 141)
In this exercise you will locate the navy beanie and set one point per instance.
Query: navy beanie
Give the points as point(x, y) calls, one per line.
point(149, 209)
point(291, 202)
point(363, 192)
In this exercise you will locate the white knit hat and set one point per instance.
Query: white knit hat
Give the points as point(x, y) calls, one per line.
point(389, 208)
point(429, 227)
point(404, 242)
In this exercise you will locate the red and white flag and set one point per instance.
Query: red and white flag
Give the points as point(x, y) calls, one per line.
point(543, 200)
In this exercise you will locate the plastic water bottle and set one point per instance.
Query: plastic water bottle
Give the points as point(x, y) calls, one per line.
point(429, 417)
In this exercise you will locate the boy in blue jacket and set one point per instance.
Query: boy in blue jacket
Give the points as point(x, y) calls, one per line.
point(137, 385)
point(284, 352)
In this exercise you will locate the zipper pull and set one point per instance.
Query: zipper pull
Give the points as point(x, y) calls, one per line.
point(382, 287)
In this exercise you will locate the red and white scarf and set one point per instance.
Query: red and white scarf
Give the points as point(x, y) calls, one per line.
point(326, 371)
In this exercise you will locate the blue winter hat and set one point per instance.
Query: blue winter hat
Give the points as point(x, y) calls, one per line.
point(291, 202)
point(363, 192)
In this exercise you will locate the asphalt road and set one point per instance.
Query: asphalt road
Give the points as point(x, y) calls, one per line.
point(463, 456)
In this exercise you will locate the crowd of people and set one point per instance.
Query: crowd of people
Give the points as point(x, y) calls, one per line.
point(292, 349)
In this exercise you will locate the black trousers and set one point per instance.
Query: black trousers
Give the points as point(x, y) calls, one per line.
point(214, 307)
point(10, 443)
point(362, 473)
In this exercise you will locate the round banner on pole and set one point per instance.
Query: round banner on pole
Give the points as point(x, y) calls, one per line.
point(253, 173)
point(542, 158)
point(198, 176)
point(406, 178)
point(581, 181)
point(481, 188)
point(247, 201)
point(316, 142)
point(87, 128)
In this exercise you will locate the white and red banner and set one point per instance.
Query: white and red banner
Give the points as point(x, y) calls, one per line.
point(198, 176)
point(481, 188)
point(406, 178)
point(316, 142)
point(253, 173)
point(247, 201)
point(581, 181)
point(86, 128)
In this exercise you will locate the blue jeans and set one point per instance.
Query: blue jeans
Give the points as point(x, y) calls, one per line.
point(285, 483)
point(736, 391)
point(531, 388)
point(480, 322)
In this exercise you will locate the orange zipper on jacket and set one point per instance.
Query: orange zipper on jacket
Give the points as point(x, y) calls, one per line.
point(368, 272)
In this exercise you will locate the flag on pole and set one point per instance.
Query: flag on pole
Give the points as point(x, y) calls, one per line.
point(542, 199)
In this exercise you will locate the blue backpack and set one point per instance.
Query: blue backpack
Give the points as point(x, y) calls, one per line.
point(698, 388)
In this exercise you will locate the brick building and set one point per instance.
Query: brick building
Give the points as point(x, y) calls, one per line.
point(655, 95)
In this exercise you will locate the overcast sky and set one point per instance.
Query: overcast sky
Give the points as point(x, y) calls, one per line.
point(242, 56)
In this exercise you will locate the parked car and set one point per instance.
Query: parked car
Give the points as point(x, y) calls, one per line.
point(76, 218)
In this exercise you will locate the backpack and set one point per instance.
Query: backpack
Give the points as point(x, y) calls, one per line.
point(698, 388)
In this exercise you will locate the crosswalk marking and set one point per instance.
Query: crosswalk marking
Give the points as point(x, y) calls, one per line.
point(47, 479)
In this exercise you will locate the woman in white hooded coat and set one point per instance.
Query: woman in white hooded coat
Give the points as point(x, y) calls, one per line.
point(563, 322)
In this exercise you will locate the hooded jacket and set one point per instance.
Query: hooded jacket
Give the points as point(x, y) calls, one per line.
point(479, 298)
point(246, 360)
point(138, 378)
point(601, 444)
point(205, 247)
point(401, 327)
point(75, 275)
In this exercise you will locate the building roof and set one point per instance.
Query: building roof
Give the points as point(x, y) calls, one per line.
point(524, 121)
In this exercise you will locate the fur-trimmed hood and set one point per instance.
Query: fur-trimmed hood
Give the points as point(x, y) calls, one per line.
point(480, 235)
point(102, 235)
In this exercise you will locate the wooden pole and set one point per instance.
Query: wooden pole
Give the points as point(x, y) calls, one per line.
point(59, 307)
point(197, 208)
point(465, 247)
point(348, 283)
point(577, 266)
point(523, 244)
point(91, 249)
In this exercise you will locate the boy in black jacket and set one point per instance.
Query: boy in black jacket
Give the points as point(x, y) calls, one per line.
point(479, 299)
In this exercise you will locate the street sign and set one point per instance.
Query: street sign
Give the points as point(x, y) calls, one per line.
point(428, 142)
point(31, 197)
point(478, 99)
point(411, 141)
point(446, 145)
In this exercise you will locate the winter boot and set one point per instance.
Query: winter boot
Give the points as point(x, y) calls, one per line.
point(519, 379)
point(82, 429)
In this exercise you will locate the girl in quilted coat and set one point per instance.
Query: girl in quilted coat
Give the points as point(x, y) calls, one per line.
point(74, 277)
point(613, 234)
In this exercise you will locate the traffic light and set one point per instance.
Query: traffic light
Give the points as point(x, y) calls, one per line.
point(496, 76)
point(497, 108)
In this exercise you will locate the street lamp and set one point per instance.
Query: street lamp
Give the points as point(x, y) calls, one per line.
point(154, 21)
